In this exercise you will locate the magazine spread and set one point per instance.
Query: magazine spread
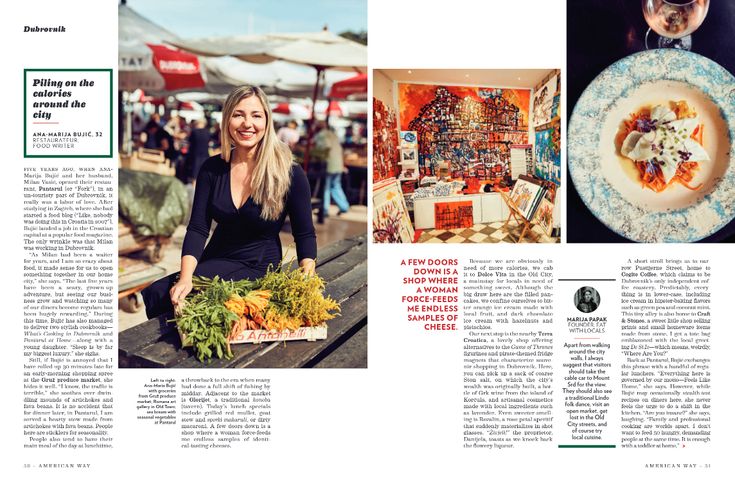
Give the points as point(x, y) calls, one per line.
point(540, 194)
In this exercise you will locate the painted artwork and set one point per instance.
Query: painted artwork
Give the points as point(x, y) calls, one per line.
point(551, 189)
point(453, 215)
point(385, 142)
point(409, 155)
point(547, 154)
point(409, 140)
point(543, 102)
point(544, 216)
point(391, 223)
point(465, 129)
point(555, 107)
point(524, 196)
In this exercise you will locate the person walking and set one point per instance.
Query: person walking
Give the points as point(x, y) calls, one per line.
point(327, 140)
point(289, 134)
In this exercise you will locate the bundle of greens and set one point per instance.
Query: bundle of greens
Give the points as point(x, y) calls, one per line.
point(205, 321)
point(218, 310)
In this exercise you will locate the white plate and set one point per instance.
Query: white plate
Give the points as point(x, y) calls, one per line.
point(609, 183)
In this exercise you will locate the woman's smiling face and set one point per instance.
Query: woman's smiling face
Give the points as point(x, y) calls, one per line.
point(248, 123)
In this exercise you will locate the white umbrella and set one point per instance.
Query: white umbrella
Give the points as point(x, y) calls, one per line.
point(278, 77)
point(135, 30)
point(145, 64)
point(317, 49)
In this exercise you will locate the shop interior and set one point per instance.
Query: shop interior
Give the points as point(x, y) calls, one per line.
point(466, 156)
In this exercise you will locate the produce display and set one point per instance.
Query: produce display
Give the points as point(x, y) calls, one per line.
point(216, 310)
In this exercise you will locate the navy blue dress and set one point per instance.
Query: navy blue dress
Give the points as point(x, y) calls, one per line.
point(243, 245)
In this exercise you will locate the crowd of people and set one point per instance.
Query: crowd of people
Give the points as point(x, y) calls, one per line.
point(188, 145)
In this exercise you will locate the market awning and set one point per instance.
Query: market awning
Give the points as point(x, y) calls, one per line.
point(144, 63)
point(318, 49)
point(278, 77)
point(161, 70)
point(349, 88)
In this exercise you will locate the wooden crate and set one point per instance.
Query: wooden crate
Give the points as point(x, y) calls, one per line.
point(153, 161)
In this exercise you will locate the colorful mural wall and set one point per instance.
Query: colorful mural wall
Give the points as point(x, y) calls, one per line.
point(385, 142)
point(469, 129)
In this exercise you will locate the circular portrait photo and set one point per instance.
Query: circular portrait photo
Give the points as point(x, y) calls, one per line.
point(587, 299)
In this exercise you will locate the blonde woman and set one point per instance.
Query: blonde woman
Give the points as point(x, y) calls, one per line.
point(248, 191)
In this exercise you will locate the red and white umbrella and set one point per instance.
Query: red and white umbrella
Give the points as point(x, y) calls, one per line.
point(161, 69)
point(349, 88)
point(144, 63)
point(293, 110)
point(282, 108)
point(334, 109)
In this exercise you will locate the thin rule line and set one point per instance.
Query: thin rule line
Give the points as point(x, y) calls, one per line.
point(586, 279)
point(586, 446)
point(40, 122)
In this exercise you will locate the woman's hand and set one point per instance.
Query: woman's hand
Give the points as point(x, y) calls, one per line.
point(184, 285)
point(308, 266)
point(179, 291)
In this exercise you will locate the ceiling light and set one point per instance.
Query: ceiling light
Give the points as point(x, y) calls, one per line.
point(409, 71)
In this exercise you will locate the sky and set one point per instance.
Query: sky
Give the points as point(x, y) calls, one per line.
point(194, 18)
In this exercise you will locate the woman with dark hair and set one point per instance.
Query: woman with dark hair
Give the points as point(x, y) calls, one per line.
point(248, 191)
point(587, 303)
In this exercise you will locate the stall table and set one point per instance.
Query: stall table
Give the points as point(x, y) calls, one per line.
point(343, 265)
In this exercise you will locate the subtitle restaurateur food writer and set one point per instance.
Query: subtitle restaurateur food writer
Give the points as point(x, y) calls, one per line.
point(248, 191)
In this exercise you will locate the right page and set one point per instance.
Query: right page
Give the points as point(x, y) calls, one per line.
point(552, 211)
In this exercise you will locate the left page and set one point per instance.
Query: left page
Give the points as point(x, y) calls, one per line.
point(187, 237)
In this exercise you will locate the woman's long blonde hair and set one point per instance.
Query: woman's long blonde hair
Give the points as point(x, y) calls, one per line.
point(271, 178)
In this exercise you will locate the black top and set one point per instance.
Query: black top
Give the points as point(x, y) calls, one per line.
point(155, 141)
point(241, 234)
point(198, 152)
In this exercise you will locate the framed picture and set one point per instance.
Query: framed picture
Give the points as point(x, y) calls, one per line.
point(543, 101)
point(544, 216)
point(409, 155)
point(453, 215)
point(409, 139)
point(391, 222)
point(524, 196)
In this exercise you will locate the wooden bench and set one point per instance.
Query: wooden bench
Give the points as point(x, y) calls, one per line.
point(343, 265)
